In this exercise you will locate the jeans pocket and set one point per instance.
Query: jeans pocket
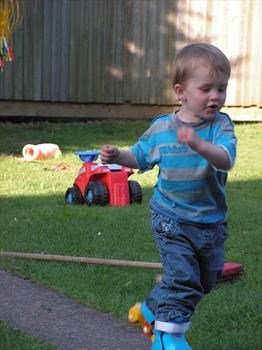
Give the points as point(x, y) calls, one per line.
point(163, 226)
point(160, 224)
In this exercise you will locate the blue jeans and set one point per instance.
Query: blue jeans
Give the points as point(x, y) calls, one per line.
point(192, 258)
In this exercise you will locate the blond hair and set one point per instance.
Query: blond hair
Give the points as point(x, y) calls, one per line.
point(193, 55)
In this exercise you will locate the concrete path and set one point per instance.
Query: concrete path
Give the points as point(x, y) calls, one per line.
point(42, 313)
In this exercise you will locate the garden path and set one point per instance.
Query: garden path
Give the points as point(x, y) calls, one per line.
point(40, 312)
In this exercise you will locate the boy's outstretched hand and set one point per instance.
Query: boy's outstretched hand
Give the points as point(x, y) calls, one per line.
point(109, 154)
point(112, 155)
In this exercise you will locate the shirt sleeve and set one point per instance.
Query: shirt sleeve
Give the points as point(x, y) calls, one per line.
point(146, 151)
point(225, 138)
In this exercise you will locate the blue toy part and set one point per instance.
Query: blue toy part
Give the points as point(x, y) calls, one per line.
point(146, 312)
point(166, 341)
point(88, 156)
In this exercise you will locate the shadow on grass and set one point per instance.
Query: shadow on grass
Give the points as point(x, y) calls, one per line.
point(69, 136)
point(44, 220)
point(44, 224)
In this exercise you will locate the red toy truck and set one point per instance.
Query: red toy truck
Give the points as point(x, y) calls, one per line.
point(99, 184)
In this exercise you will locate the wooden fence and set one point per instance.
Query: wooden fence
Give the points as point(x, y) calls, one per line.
point(121, 51)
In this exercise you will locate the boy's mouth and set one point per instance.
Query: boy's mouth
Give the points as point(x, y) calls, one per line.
point(213, 107)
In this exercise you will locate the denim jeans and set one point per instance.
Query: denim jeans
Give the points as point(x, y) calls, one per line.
point(192, 258)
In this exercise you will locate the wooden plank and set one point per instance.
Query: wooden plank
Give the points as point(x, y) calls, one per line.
point(89, 52)
point(94, 111)
point(82, 53)
point(56, 51)
point(28, 49)
point(74, 50)
point(8, 83)
point(127, 60)
point(47, 41)
point(17, 64)
point(37, 48)
point(97, 28)
point(64, 51)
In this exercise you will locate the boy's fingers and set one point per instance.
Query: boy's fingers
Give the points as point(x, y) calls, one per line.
point(105, 148)
point(108, 148)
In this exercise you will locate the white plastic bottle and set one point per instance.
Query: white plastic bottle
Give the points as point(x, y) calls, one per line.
point(41, 151)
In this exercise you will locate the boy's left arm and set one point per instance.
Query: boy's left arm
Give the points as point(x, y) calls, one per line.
point(217, 155)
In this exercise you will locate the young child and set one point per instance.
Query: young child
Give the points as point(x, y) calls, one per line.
point(193, 148)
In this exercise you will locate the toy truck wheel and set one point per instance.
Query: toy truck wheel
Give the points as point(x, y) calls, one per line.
point(73, 196)
point(135, 192)
point(96, 194)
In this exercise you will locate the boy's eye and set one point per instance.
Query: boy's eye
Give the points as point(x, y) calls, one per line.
point(205, 89)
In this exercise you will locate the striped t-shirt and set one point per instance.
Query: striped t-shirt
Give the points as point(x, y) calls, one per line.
point(188, 187)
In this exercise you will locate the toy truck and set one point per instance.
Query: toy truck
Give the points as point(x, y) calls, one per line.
point(102, 184)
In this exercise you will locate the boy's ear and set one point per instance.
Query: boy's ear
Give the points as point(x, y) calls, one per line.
point(178, 88)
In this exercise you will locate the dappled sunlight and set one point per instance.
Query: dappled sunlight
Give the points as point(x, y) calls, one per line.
point(116, 72)
point(125, 55)
point(189, 23)
point(134, 49)
point(151, 45)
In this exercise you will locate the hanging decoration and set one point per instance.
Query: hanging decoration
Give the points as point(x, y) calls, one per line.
point(10, 18)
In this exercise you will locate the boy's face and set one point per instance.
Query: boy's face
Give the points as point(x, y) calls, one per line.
point(202, 95)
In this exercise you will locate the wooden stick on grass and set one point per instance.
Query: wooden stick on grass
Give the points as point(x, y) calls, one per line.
point(83, 260)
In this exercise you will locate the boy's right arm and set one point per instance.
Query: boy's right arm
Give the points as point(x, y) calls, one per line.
point(111, 154)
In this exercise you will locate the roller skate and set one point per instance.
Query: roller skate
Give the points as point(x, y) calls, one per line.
point(166, 341)
point(140, 313)
point(170, 336)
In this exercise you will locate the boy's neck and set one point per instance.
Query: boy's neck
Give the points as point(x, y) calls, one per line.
point(186, 118)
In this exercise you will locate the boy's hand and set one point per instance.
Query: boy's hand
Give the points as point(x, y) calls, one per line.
point(187, 135)
point(216, 155)
point(109, 154)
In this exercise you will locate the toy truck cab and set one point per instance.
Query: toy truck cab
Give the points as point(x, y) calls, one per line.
point(102, 184)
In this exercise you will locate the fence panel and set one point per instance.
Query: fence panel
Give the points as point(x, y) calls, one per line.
point(118, 51)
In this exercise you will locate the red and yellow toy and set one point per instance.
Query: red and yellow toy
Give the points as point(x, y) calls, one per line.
point(102, 184)
point(135, 316)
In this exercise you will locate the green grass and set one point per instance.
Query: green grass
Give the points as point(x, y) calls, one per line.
point(15, 340)
point(34, 218)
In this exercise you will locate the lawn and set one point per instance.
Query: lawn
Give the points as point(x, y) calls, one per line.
point(34, 218)
point(15, 340)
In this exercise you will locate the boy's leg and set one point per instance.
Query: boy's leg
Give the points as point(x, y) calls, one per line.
point(212, 259)
point(192, 257)
point(180, 289)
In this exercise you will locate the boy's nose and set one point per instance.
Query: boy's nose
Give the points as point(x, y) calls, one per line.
point(214, 95)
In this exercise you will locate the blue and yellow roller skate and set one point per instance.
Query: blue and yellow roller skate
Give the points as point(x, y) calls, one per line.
point(140, 313)
point(170, 336)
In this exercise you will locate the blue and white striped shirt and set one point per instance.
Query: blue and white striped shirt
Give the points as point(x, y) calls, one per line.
point(188, 187)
